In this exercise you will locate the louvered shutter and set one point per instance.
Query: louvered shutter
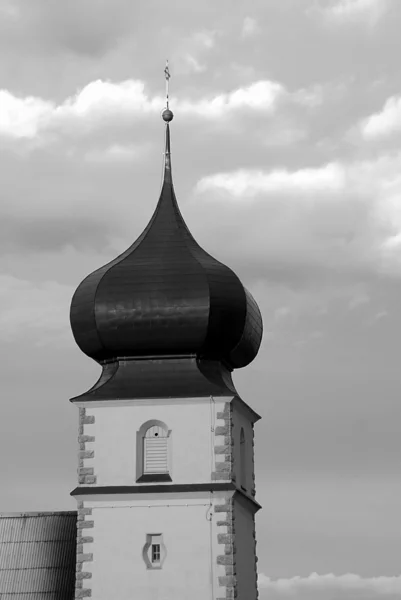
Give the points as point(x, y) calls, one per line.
point(155, 450)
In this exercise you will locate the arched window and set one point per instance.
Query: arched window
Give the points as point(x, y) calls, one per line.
point(153, 452)
point(242, 450)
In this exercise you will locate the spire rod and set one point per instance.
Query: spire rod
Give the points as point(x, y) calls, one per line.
point(167, 116)
point(167, 75)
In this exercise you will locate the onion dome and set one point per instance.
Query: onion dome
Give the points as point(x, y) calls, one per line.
point(164, 302)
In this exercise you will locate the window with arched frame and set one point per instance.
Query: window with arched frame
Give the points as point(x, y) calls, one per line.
point(242, 450)
point(154, 452)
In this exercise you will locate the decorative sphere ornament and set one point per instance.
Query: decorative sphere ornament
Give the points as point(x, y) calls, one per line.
point(167, 115)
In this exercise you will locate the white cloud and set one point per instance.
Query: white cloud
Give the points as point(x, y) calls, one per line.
point(281, 134)
point(205, 38)
point(33, 309)
point(341, 215)
point(344, 11)
point(300, 587)
point(262, 95)
point(31, 116)
point(381, 314)
point(101, 102)
point(310, 97)
point(192, 53)
point(384, 123)
point(244, 184)
point(101, 98)
point(250, 27)
point(194, 64)
point(117, 153)
point(22, 117)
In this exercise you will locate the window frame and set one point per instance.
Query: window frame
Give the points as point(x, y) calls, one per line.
point(154, 539)
point(242, 460)
point(155, 553)
point(141, 476)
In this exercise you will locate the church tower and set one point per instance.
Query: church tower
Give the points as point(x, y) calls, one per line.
point(166, 486)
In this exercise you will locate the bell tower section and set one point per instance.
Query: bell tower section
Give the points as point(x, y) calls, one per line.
point(166, 484)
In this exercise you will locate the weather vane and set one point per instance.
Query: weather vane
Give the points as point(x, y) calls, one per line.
point(167, 74)
point(167, 115)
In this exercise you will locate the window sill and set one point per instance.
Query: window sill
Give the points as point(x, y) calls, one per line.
point(154, 477)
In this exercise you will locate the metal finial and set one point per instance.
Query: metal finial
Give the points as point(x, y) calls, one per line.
point(167, 74)
point(167, 114)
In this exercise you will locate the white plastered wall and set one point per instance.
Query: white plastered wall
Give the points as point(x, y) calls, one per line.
point(115, 431)
point(121, 524)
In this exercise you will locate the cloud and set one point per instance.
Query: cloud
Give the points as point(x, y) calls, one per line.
point(39, 310)
point(117, 153)
point(193, 64)
point(245, 184)
point(330, 586)
point(381, 314)
point(384, 123)
point(250, 27)
point(101, 103)
point(22, 117)
point(354, 11)
point(192, 52)
point(334, 216)
point(88, 29)
point(358, 300)
point(205, 38)
point(29, 117)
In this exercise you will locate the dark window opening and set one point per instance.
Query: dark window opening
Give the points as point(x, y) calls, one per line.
point(155, 553)
point(242, 459)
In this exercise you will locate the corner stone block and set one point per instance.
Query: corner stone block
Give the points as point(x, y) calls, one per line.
point(223, 466)
point(225, 538)
point(221, 476)
point(231, 592)
point(81, 558)
point(86, 438)
point(84, 575)
point(86, 454)
point(85, 471)
point(224, 559)
point(86, 540)
point(221, 430)
point(90, 479)
point(85, 524)
point(85, 593)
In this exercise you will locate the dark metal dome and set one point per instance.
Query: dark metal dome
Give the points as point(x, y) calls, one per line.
point(166, 297)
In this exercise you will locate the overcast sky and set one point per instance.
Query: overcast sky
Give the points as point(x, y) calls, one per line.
point(286, 162)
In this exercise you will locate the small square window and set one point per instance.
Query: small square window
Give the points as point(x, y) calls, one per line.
point(155, 553)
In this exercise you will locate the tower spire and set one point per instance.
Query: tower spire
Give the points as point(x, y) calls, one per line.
point(167, 117)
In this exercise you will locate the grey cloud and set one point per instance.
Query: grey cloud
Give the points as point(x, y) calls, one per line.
point(26, 235)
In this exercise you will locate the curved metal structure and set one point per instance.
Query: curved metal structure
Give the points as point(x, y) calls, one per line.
point(163, 298)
